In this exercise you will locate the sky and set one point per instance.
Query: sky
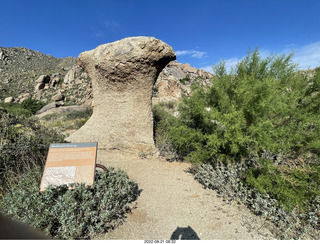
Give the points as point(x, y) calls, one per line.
point(202, 32)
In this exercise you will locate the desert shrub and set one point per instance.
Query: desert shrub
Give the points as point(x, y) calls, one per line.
point(292, 188)
point(161, 120)
point(69, 120)
point(16, 109)
point(24, 143)
point(263, 105)
point(76, 213)
point(264, 113)
point(78, 114)
point(229, 182)
point(27, 108)
point(32, 105)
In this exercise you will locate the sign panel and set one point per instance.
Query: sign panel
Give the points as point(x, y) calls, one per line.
point(70, 163)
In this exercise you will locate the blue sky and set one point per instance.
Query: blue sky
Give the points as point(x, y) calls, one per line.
point(201, 32)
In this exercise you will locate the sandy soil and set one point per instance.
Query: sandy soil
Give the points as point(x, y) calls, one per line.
point(173, 205)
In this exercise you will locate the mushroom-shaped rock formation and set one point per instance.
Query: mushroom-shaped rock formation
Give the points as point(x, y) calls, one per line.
point(123, 74)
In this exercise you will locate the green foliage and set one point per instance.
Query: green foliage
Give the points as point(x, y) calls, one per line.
point(262, 113)
point(155, 91)
point(16, 109)
point(184, 80)
point(78, 114)
point(76, 213)
point(24, 144)
point(263, 105)
point(28, 107)
point(228, 181)
point(291, 187)
point(162, 119)
point(32, 105)
point(69, 120)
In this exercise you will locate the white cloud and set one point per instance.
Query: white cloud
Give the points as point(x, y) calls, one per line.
point(229, 64)
point(198, 54)
point(191, 53)
point(105, 27)
point(99, 34)
point(308, 56)
point(208, 68)
point(111, 25)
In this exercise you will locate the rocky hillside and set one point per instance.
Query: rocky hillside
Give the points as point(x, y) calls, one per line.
point(27, 73)
point(175, 80)
point(21, 67)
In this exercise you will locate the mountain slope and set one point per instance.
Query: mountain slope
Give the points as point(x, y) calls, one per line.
point(20, 67)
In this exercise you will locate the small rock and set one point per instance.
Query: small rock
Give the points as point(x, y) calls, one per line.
point(3, 56)
point(55, 81)
point(9, 100)
point(78, 81)
point(24, 95)
point(57, 97)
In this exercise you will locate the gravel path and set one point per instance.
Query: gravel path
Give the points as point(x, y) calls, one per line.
point(174, 205)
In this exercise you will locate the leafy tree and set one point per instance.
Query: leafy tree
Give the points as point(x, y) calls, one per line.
point(263, 105)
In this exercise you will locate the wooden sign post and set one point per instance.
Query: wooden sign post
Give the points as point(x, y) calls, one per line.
point(70, 163)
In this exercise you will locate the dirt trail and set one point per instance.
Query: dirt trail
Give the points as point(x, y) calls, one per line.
point(174, 205)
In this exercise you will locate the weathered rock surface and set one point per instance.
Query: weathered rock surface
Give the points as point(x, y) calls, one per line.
point(61, 110)
point(58, 97)
point(123, 74)
point(46, 108)
point(176, 79)
point(23, 97)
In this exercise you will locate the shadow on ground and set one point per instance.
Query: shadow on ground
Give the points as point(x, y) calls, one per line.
point(184, 233)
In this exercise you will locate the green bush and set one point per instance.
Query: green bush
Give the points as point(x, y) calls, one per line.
point(24, 144)
point(27, 108)
point(32, 105)
point(161, 120)
point(264, 109)
point(263, 105)
point(68, 120)
point(228, 181)
point(76, 213)
point(16, 109)
point(78, 114)
point(293, 188)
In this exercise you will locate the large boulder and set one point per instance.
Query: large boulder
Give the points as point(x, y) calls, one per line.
point(123, 74)
point(46, 108)
point(62, 110)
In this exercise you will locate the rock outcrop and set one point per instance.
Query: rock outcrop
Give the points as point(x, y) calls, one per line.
point(56, 109)
point(123, 74)
point(176, 79)
point(20, 69)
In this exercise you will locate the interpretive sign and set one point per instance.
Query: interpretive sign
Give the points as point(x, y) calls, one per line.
point(70, 163)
